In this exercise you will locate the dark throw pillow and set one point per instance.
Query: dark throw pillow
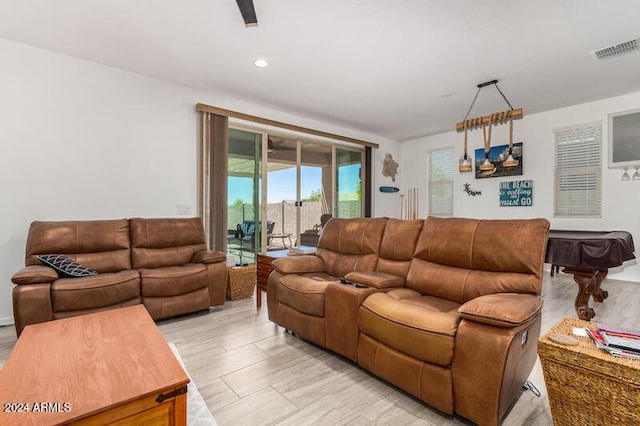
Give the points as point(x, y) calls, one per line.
point(66, 267)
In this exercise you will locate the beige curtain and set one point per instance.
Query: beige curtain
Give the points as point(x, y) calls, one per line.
point(214, 149)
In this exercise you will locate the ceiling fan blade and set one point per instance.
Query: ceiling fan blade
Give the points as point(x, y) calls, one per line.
point(248, 12)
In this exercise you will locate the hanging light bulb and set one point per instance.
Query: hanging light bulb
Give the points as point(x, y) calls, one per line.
point(486, 165)
point(636, 175)
point(510, 161)
point(625, 176)
point(465, 162)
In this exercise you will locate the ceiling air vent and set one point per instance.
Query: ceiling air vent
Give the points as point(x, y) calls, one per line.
point(617, 50)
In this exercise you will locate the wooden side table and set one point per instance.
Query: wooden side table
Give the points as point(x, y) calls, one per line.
point(263, 263)
point(587, 385)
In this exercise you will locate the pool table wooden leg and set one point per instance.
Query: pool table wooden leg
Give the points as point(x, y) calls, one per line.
point(589, 282)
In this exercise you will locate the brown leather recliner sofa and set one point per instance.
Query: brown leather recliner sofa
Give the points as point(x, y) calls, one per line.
point(448, 309)
point(162, 263)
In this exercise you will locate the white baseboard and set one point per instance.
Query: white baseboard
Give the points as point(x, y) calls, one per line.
point(6, 321)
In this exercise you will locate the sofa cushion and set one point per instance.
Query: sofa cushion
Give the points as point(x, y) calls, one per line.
point(461, 285)
point(208, 257)
point(460, 259)
point(298, 264)
point(248, 228)
point(164, 307)
point(305, 293)
point(102, 244)
point(97, 291)
point(502, 309)
point(156, 243)
point(421, 326)
point(173, 280)
point(487, 245)
point(34, 274)
point(375, 279)
point(347, 245)
point(339, 264)
point(397, 246)
point(65, 267)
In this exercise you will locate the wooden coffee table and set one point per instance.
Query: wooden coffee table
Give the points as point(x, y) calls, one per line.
point(108, 367)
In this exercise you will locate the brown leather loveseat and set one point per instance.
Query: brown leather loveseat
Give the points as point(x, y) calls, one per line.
point(449, 309)
point(162, 263)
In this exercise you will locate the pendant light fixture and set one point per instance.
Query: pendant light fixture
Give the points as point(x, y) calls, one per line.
point(510, 161)
point(487, 122)
point(465, 162)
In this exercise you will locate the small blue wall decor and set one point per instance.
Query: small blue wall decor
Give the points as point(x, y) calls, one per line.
point(389, 189)
point(516, 193)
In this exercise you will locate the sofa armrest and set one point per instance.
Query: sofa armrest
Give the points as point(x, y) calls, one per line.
point(208, 256)
point(34, 274)
point(502, 309)
point(375, 279)
point(298, 264)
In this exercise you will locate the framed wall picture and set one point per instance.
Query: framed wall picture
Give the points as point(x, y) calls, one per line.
point(497, 156)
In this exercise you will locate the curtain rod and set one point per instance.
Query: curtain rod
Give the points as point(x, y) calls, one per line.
point(255, 119)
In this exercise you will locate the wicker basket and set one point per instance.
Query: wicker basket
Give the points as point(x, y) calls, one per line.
point(587, 385)
point(242, 281)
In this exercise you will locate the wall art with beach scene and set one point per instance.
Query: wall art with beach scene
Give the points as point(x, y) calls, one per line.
point(497, 157)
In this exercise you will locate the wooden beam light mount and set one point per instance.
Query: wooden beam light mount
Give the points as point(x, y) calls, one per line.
point(498, 118)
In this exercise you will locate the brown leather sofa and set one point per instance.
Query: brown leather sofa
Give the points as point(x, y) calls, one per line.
point(449, 309)
point(162, 263)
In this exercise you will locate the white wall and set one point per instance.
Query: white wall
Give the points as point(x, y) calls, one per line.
point(621, 200)
point(85, 141)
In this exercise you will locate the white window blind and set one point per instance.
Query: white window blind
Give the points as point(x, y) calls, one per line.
point(578, 177)
point(441, 169)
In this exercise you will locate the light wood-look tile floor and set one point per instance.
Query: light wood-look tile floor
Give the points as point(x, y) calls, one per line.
point(251, 372)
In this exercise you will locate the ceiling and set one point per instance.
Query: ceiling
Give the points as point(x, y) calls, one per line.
point(375, 66)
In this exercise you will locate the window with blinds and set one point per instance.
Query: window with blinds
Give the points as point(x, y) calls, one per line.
point(578, 175)
point(441, 169)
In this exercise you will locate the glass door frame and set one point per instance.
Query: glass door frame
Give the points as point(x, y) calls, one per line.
point(264, 158)
point(337, 164)
point(252, 152)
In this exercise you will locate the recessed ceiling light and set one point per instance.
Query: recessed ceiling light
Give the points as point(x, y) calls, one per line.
point(261, 63)
point(446, 94)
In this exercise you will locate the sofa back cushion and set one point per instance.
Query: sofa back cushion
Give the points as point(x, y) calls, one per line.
point(460, 259)
point(347, 245)
point(102, 245)
point(397, 247)
point(157, 243)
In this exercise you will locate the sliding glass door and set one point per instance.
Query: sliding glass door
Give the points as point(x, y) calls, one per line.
point(281, 192)
point(348, 183)
point(315, 196)
point(286, 199)
point(244, 191)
